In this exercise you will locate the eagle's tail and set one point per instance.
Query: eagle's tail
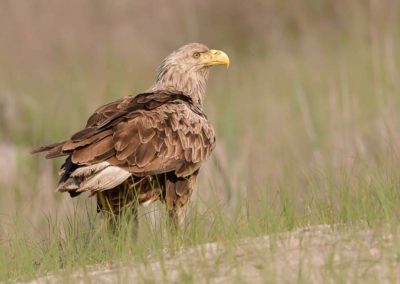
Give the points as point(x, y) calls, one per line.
point(93, 178)
point(76, 178)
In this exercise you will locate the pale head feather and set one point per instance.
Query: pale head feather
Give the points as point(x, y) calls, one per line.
point(180, 71)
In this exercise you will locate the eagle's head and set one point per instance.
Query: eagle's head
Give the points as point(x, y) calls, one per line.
point(186, 69)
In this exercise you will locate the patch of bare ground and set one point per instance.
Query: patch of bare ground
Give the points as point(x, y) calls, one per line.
point(321, 254)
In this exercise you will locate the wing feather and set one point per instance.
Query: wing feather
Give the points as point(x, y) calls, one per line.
point(74, 144)
point(93, 152)
point(148, 134)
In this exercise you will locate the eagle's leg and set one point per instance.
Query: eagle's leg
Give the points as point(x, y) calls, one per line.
point(121, 208)
point(176, 217)
point(177, 195)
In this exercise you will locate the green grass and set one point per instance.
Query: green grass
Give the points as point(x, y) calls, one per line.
point(83, 239)
point(307, 121)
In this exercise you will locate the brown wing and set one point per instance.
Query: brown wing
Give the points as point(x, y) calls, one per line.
point(148, 134)
point(168, 138)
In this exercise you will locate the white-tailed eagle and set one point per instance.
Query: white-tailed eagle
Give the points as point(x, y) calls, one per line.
point(147, 147)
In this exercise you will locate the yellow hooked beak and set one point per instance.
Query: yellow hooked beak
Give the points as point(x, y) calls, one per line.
point(214, 57)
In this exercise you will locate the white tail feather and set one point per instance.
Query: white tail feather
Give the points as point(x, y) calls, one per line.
point(107, 178)
point(90, 170)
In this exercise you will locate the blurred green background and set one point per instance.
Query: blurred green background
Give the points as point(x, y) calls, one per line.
point(307, 115)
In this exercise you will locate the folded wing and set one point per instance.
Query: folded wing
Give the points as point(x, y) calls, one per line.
point(145, 135)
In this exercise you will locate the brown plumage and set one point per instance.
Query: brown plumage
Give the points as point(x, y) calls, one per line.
point(147, 147)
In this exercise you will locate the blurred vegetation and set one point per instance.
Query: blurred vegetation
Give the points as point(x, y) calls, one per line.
point(307, 117)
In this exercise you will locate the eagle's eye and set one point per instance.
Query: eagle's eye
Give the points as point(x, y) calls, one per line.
point(196, 55)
